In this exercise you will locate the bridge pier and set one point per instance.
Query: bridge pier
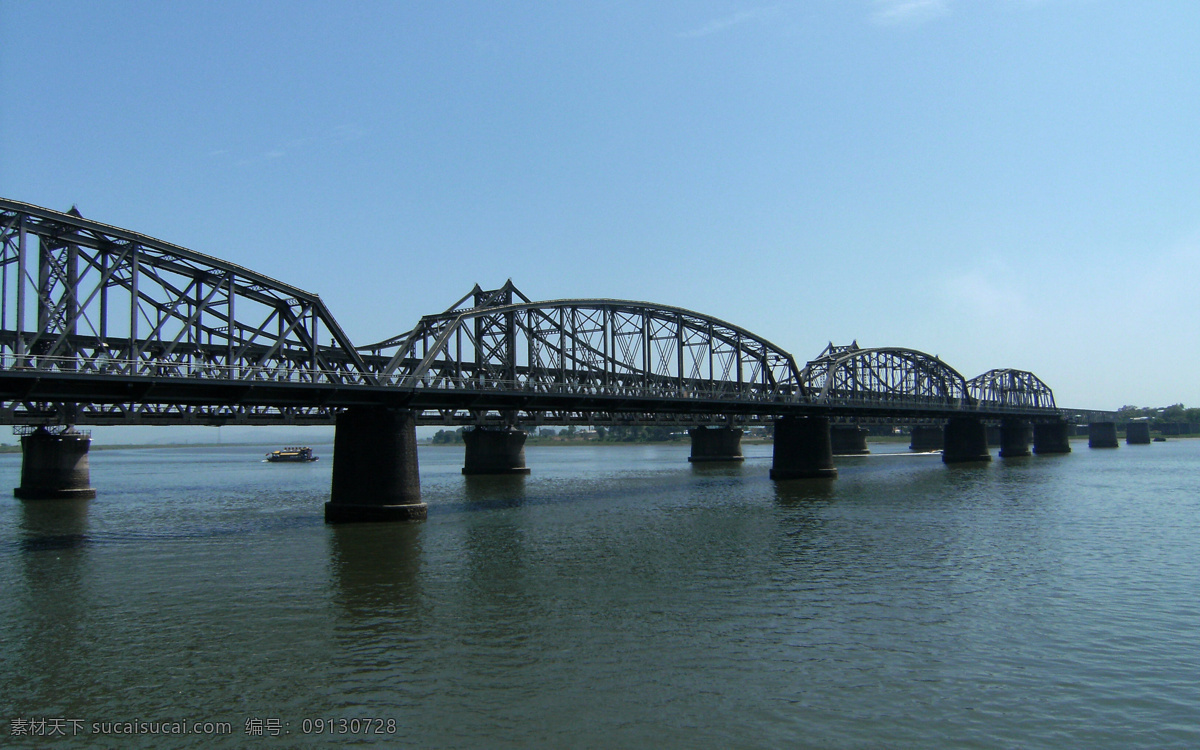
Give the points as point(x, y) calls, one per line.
point(1137, 433)
point(926, 439)
point(716, 444)
point(848, 440)
point(55, 466)
point(803, 449)
point(1015, 435)
point(1102, 435)
point(375, 471)
point(1051, 437)
point(494, 451)
point(965, 441)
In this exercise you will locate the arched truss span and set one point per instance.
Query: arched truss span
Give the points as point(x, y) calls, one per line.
point(1011, 388)
point(86, 297)
point(883, 376)
point(500, 340)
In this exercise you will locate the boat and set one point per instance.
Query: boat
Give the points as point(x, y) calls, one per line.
point(292, 454)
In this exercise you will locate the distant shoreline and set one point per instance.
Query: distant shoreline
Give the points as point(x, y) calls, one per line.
point(532, 442)
point(147, 446)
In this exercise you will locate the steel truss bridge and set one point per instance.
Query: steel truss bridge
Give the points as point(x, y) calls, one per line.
point(104, 326)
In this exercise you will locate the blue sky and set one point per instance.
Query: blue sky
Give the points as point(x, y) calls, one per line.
point(1003, 183)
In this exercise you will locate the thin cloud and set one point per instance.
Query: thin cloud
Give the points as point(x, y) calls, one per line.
point(340, 134)
point(986, 294)
point(894, 12)
point(725, 23)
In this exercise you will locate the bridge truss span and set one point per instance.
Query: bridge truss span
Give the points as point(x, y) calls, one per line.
point(1001, 389)
point(80, 296)
point(886, 377)
point(583, 349)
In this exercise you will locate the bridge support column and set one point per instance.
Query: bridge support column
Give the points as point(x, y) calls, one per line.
point(802, 449)
point(1137, 433)
point(375, 471)
point(848, 440)
point(965, 441)
point(494, 451)
point(1015, 435)
point(1052, 437)
point(716, 444)
point(55, 467)
point(926, 439)
point(1102, 435)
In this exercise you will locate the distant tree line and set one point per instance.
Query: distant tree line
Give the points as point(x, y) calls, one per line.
point(640, 434)
point(1173, 414)
point(619, 434)
point(447, 437)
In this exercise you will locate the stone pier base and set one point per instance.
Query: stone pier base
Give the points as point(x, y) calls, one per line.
point(926, 439)
point(1102, 435)
point(716, 444)
point(55, 466)
point(1051, 437)
point(493, 450)
point(1137, 433)
point(1015, 436)
point(802, 449)
point(965, 441)
point(848, 440)
point(375, 471)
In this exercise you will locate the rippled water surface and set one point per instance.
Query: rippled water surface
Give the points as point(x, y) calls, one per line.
point(617, 597)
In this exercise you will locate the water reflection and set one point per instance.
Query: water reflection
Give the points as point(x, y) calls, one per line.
point(488, 492)
point(53, 540)
point(53, 524)
point(794, 492)
point(500, 563)
point(376, 566)
point(717, 468)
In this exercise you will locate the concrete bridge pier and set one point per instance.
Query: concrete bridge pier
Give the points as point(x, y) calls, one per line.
point(1137, 433)
point(716, 444)
point(1051, 437)
point(965, 441)
point(803, 449)
point(848, 440)
point(54, 466)
point(492, 450)
point(1102, 435)
point(375, 471)
point(1015, 436)
point(926, 439)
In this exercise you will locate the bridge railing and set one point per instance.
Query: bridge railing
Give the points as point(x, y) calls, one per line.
point(660, 391)
point(152, 367)
point(967, 406)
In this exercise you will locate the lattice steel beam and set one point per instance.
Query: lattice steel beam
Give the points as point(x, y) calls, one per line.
point(112, 302)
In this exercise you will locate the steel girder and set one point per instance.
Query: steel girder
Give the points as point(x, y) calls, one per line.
point(586, 348)
point(37, 413)
point(77, 296)
point(900, 377)
point(1010, 388)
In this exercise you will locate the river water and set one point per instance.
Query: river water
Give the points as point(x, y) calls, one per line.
point(618, 597)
